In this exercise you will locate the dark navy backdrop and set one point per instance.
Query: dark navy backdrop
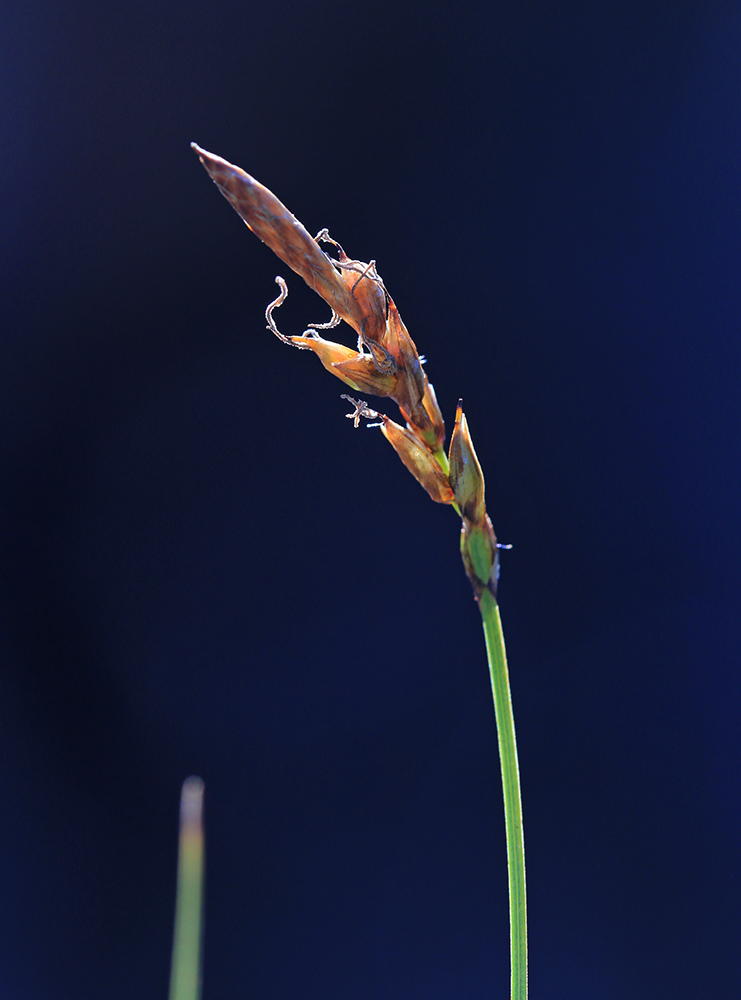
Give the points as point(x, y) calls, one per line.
point(205, 569)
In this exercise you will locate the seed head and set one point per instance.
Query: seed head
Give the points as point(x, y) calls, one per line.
point(385, 363)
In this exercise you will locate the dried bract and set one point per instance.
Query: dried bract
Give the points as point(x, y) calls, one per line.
point(466, 476)
point(419, 460)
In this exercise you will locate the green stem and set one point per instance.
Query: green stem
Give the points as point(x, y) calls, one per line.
point(511, 788)
point(185, 973)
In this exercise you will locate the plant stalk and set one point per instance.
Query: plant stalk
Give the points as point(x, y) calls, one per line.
point(185, 973)
point(511, 789)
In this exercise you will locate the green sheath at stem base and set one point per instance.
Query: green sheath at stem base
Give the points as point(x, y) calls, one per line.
point(511, 788)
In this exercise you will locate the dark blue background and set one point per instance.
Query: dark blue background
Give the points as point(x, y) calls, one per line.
point(206, 570)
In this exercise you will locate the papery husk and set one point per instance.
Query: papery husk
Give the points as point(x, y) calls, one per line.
point(419, 461)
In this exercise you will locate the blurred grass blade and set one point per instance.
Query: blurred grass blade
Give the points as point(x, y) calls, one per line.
point(185, 973)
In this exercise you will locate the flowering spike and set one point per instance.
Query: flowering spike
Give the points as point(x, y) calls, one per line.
point(419, 460)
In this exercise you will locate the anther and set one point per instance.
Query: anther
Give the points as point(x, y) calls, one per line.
point(361, 410)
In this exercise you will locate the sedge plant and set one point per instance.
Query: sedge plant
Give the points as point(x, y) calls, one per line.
point(385, 363)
